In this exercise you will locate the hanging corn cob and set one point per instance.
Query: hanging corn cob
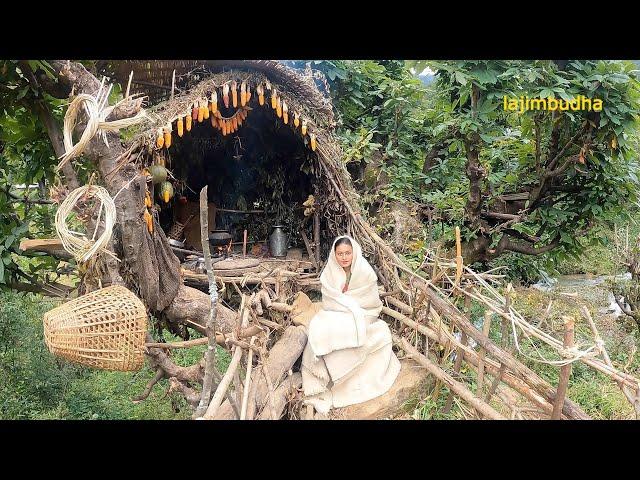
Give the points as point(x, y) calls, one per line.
point(248, 92)
point(214, 121)
point(180, 126)
point(225, 95)
point(243, 94)
point(234, 94)
point(167, 136)
point(312, 136)
point(235, 123)
point(285, 113)
point(194, 112)
point(296, 120)
point(304, 127)
point(148, 219)
point(274, 99)
point(239, 119)
point(207, 107)
point(260, 90)
point(187, 123)
point(279, 107)
point(147, 199)
point(214, 101)
point(267, 84)
point(201, 110)
point(160, 139)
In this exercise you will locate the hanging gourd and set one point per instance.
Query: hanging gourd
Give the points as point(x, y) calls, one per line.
point(274, 99)
point(158, 173)
point(304, 127)
point(225, 95)
point(260, 91)
point(160, 139)
point(214, 101)
point(296, 120)
point(285, 113)
point(187, 123)
point(166, 191)
point(180, 125)
point(167, 136)
point(234, 94)
point(312, 136)
point(243, 94)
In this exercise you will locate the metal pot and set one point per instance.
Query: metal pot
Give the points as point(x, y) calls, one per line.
point(177, 244)
point(278, 242)
point(219, 238)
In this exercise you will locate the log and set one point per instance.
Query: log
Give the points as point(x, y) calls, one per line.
point(457, 387)
point(282, 356)
point(291, 384)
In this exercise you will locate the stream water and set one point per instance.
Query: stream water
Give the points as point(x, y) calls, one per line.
point(578, 281)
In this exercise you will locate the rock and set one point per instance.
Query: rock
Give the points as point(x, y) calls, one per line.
point(410, 379)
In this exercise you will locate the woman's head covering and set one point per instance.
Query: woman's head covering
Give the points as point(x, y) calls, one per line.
point(362, 273)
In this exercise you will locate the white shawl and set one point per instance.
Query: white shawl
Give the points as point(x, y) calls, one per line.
point(347, 343)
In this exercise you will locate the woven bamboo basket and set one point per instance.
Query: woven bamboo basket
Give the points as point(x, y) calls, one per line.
point(104, 329)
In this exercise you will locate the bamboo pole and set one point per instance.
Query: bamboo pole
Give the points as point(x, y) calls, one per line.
point(565, 370)
point(462, 391)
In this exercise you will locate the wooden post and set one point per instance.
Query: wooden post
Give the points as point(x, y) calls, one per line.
point(244, 244)
point(486, 326)
point(565, 370)
point(210, 355)
point(504, 330)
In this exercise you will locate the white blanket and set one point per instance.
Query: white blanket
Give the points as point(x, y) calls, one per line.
point(348, 358)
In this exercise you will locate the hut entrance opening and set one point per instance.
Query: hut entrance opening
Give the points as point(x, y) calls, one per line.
point(258, 176)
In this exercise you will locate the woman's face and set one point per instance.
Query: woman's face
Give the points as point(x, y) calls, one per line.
point(344, 254)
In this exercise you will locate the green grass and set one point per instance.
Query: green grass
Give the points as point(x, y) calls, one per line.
point(36, 385)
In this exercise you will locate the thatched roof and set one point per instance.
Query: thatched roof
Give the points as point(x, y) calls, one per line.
point(154, 77)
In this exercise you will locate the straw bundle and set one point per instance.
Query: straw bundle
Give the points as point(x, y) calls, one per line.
point(103, 329)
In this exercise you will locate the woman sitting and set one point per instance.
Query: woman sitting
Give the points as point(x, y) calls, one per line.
point(348, 358)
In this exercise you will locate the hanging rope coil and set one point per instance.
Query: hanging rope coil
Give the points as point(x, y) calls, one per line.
point(77, 244)
point(97, 110)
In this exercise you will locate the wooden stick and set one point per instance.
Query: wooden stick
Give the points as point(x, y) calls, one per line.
point(458, 256)
point(486, 326)
point(247, 382)
point(221, 391)
point(565, 370)
point(312, 255)
point(456, 368)
point(459, 388)
point(210, 355)
point(316, 237)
